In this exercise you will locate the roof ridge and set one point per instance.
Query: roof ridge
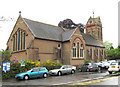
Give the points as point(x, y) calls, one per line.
point(42, 23)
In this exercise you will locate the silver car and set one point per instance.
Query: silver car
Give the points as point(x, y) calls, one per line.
point(65, 69)
point(89, 67)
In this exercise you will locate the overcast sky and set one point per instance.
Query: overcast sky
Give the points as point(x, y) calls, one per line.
point(53, 11)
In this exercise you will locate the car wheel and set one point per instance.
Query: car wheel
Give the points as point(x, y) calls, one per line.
point(73, 71)
point(99, 69)
point(88, 70)
point(110, 72)
point(59, 73)
point(26, 77)
point(45, 75)
point(80, 70)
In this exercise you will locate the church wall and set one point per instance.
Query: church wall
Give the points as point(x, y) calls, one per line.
point(77, 37)
point(46, 49)
point(20, 54)
point(66, 53)
point(93, 58)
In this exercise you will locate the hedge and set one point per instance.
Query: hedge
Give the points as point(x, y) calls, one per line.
point(16, 68)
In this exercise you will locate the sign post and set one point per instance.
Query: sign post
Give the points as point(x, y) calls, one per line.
point(6, 66)
point(22, 62)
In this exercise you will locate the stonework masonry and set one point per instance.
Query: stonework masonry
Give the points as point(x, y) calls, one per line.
point(73, 51)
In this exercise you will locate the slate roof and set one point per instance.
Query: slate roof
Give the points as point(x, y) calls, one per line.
point(44, 31)
point(50, 32)
point(89, 40)
point(67, 34)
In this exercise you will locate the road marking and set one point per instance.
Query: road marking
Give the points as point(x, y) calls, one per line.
point(63, 83)
point(87, 81)
point(94, 81)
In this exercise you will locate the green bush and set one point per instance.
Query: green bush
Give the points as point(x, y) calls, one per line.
point(51, 65)
point(16, 68)
point(87, 61)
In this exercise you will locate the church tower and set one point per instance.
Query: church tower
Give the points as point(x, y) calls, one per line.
point(94, 28)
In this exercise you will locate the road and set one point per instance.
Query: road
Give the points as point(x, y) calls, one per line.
point(58, 80)
point(102, 81)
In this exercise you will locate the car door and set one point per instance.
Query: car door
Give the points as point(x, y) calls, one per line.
point(69, 69)
point(94, 66)
point(41, 72)
point(34, 73)
point(84, 67)
point(64, 69)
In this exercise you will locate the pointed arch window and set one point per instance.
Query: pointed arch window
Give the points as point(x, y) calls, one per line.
point(16, 42)
point(77, 50)
point(19, 40)
point(24, 42)
point(81, 52)
point(74, 50)
point(13, 43)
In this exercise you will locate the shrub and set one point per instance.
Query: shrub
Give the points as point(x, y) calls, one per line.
point(50, 65)
point(16, 68)
point(87, 61)
point(6, 54)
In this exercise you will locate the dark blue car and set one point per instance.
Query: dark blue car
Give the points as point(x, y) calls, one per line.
point(33, 73)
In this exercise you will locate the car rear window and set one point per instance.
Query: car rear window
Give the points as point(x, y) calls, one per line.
point(69, 66)
point(118, 63)
point(58, 67)
point(41, 69)
point(87, 64)
point(113, 63)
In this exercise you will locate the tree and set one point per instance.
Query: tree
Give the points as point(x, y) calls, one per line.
point(108, 45)
point(6, 54)
point(69, 24)
point(113, 53)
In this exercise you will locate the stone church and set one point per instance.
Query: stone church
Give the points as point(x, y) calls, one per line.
point(35, 40)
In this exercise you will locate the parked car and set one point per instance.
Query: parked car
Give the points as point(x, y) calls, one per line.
point(99, 64)
point(110, 61)
point(65, 69)
point(114, 67)
point(105, 64)
point(89, 67)
point(33, 73)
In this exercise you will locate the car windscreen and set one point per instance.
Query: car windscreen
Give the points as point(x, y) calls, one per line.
point(29, 70)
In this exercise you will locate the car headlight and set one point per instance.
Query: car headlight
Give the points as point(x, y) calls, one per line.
point(20, 74)
point(50, 71)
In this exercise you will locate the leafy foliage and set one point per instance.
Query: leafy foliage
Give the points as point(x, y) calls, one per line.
point(87, 61)
point(51, 65)
point(114, 53)
point(69, 24)
point(108, 45)
point(6, 54)
point(16, 68)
